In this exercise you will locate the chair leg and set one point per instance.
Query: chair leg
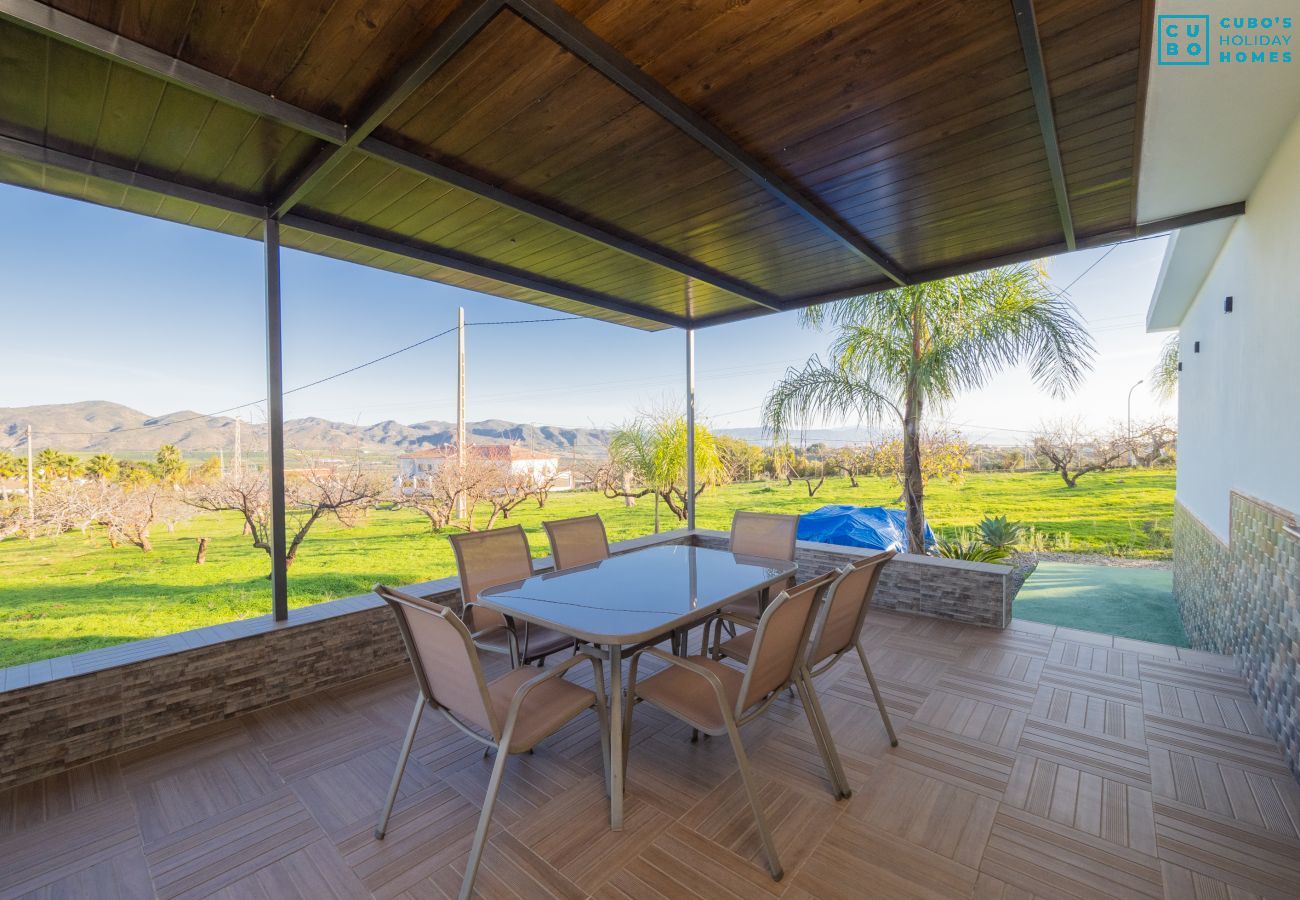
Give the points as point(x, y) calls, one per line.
point(489, 801)
point(880, 701)
point(382, 827)
point(821, 734)
point(746, 777)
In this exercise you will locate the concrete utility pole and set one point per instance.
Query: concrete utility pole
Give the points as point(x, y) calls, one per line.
point(31, 490)
point(460, 405)
point(239, 459)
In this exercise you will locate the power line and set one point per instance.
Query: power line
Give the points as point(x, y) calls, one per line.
point(301, 387)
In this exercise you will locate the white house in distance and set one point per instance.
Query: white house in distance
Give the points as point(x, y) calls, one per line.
point(1227, 132)
point(537, 464)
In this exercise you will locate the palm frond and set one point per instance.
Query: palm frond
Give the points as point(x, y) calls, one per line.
point(822, 392)
point(1164, 377)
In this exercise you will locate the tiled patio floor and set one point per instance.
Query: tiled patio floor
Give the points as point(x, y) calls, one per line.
point(1033, 762)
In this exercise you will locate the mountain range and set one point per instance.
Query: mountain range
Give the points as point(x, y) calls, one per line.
point(99, 426)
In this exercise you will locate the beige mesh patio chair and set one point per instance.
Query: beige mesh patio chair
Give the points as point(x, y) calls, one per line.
point(486, 559)
point(771, 535)
point(511, 714)
point(716, 699)
point(578, 541)
point(836, 629)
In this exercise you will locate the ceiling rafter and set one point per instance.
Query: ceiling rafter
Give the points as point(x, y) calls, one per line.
point(579, 40)
point(459, 28)
point(468, 19)
point(15, 148)
point(1141, 230)
point(610, 238)
point(1032, 45)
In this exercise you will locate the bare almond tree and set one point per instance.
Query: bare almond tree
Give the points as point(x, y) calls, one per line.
point(851, 462)
point(1074, 452)
point(312, 493)
point(134, 514)
point(435, 495)
point(1153, 440)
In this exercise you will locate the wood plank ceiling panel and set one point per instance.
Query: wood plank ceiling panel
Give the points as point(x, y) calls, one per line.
point(71, 100)
point(378, 196)
point(293, 237)
point(324, 55)
point(911, 120)
point(1092, 53)
point(516, 109)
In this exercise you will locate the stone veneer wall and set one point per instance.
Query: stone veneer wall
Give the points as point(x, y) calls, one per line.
point(1244, 599)
point(969, 592)
point(60, 713)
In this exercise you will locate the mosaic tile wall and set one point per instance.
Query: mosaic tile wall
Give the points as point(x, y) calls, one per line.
point(1244, 599)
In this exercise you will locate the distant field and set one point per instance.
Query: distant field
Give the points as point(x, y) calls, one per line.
point(73, 593)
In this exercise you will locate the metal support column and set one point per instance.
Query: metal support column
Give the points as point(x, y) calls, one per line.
point(690, 427)
point(460, 409)
point(275, 420)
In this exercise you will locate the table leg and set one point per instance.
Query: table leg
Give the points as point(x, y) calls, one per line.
point(616, 748)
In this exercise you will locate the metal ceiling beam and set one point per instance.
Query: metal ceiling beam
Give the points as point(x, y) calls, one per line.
point(1038, 83)
point(575, 37)
point(642, 250)
point(1141, 230)
point(471, 265)
point(453, 34)
point(107, 45)
point(16, 148)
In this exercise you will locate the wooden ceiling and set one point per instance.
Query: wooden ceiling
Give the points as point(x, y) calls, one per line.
point(653, 164)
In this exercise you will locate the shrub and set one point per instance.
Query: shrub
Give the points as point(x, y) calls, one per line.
point(970, 548)
point(1000, 532)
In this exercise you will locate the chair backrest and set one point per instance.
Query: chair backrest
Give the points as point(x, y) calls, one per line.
point(844, 607)
point(485, 559)
point(780, 639)
point(443, 656)
point(577, 542)
point(764, 534)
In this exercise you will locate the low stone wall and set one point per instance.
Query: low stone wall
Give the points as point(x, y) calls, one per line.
point(969, 592)
point(63, 712)
point(1244, 599)
point(60, 713)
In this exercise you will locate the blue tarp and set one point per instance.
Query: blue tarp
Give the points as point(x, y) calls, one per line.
point(872, 527)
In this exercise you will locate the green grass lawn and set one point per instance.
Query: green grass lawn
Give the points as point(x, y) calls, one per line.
point(72, 593)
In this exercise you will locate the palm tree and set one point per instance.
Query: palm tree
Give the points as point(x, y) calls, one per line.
point(653, 449)
point(1164, 377)
point(901, 351)
point(102, 466)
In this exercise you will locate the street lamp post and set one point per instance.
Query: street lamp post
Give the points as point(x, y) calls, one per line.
point(1132, 457)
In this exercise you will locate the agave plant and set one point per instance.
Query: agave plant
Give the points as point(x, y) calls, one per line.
point(970, 548)
point(998, 531)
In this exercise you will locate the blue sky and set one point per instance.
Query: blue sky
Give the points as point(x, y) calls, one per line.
point(107, 305)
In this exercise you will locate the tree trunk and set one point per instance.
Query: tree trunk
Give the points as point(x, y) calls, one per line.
point(628, 500)
point(913, 485)
point(202, 556)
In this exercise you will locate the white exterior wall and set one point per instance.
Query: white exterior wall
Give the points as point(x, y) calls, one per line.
point(1239, 398)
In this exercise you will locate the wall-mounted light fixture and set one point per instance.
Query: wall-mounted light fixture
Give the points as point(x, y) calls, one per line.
point(1180, 366)
point(1196, 348)
point(1227, 304)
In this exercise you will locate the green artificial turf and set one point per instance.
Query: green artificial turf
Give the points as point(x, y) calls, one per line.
point(1127, 602)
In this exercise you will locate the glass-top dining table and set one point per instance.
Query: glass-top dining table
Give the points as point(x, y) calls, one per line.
point(629, 599)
